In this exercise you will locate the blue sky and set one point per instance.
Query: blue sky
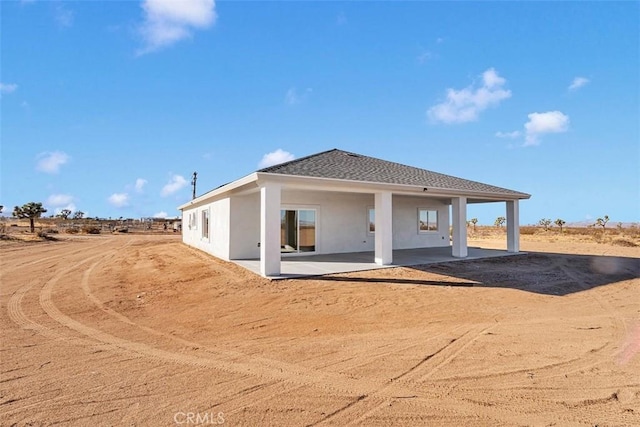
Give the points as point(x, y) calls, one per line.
point(108, 107)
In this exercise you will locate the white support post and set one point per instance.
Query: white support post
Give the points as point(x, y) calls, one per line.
point(459, 223)
point(513, 226)
point(270, 195)
point(384, 228)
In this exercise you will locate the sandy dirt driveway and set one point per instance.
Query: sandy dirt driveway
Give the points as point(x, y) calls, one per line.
point(142, 330)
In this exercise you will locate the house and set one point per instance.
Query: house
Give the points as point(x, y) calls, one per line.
point(338, 202)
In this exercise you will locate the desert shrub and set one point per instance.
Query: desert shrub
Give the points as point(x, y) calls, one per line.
point(624, 242)
point(633, 231)
point(123, 230)
point(72, 230)
point(528, 230)
point(91, 229)
point(43, 235)
point(51, 231)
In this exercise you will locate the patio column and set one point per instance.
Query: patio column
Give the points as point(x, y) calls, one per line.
point(459, 223)
point(513, 226)
point(384, 229)
point(270, 230)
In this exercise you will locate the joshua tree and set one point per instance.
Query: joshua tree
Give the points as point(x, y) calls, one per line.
point(1, 208)
point(31, 210)
point(500, 221)
point(560, 223)
point(546, 223)
point(602, 222)
point(64, 214)
point(474, 221)
point(78, 215)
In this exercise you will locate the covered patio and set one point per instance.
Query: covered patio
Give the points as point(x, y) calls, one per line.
point(317, 265)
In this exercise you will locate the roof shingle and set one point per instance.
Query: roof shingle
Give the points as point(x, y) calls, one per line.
point(338, 164)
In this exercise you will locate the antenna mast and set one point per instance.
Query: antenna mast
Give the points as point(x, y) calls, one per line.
point(193, 183)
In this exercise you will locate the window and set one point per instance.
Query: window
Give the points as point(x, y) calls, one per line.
point(297, 230)
point(371, 220)
point(427, 220)
point(205, 224)
point(193, 223)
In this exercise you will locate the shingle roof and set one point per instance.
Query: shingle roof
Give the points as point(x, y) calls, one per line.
point(338, 164)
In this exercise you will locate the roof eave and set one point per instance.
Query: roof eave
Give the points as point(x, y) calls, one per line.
point(220, 190)
point(262, 176)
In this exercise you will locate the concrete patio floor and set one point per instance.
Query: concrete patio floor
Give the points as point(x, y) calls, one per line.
point(317, 265)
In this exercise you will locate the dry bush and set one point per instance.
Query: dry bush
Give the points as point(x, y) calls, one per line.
point(527, 230)
point(91, 229)
point(624, 242)
point(633, 232)
point(43, 235)
point(72, 230)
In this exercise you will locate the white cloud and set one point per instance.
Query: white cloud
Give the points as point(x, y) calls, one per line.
point(275, 158)
point(161, 214)
point(169, 21)
point(510, 135)
point(424, 56)
point(70, 207)
point(293, 96)
point(119, 200)
point(8, 87)
point(140, 183)
point(57, 200)
point(175, 183)
point(63, 16)
point(466, 104)
point(50, 162)
point(578, 82)
point(541, 123)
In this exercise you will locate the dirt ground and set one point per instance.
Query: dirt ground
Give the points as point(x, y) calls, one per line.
point(141, 330)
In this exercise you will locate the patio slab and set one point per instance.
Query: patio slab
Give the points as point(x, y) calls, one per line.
point(317, 265)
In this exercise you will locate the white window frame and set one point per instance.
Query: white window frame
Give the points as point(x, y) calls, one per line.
point(437, 221)
point(205, 234)
point(368, 222)
point(193, 220)
point(315, 208)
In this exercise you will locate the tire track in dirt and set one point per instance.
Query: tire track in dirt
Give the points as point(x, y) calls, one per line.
point(414, 374)
point(9, 260)
point(274, 370)
point(373, 357)
point(278, 376)
point(306, 377)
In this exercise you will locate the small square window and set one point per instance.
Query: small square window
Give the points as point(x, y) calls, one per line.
point(427, 220)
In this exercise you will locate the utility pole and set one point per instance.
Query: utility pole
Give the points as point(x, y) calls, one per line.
point(193, 183)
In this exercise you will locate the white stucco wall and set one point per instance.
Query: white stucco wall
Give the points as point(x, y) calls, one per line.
point(342, 223)
point(405, 223)
point(245, 223)
point(219, 225)
point(343, 220)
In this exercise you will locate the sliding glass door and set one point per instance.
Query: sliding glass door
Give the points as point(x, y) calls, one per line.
point(297, 230)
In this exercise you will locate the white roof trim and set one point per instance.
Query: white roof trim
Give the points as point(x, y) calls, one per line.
point(220, 190)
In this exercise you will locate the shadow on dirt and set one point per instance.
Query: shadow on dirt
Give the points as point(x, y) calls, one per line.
point(538, 272)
